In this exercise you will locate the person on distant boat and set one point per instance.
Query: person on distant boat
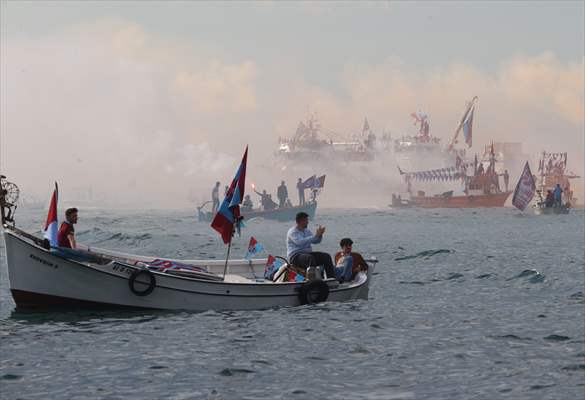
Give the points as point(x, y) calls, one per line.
point(550, 199)
point(480, 170)
point(247, 205)
point(288, 203)
point(506, 179)
point(282, 194)
point(298, 246)
point(225, 190)
point(266, 200)
point(347, 262)
point(301, 190)
point(66, 235)
point(215, 198)
point(558, 193)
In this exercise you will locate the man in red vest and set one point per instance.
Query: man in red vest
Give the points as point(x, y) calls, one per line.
point(66, 235)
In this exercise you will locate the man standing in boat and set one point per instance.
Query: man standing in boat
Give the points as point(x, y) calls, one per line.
point(215, 198)
point(66, 235)
point(301, 190)
point(298, 245)
point(506, 179)
point(282, 194)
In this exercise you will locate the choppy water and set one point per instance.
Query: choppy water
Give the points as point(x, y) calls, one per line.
point(465, 304)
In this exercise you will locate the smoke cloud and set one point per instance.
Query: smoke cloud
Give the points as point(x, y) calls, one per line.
point(144, 120)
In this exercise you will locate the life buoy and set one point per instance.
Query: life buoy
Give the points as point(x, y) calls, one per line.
point(150, 287)
point(313, 292)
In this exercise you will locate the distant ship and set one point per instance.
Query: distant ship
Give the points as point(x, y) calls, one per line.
point(481, 189)
point(310, 144)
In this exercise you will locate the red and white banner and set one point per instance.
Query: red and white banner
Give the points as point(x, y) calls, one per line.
point(525, 189)
point(51, 225)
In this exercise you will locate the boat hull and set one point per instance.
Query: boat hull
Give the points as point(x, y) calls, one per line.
point(42, 279)
point(550, 210)
point(285, 214)
point(478, 201)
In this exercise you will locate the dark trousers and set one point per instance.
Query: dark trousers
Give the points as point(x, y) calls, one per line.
point(314, 259)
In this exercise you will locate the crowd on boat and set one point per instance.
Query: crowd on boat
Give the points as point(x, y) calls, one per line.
point(282, 195)
point(554, 198)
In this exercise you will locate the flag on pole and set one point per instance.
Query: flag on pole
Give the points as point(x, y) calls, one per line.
point(228, 214)
point(525, 189)
point(468, 126)
point(254, 248)
point(52, 224)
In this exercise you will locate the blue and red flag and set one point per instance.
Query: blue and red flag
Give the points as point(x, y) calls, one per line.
point(228, 214)
point(254, 248)
point(273, 264)
point(51, 225)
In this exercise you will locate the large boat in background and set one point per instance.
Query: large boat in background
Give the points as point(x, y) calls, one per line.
point(310, 143)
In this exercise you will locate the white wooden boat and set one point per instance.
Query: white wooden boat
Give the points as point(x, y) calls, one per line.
point(96, 278)
point(541, 209)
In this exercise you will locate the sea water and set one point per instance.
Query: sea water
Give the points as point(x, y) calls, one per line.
point(464, 304)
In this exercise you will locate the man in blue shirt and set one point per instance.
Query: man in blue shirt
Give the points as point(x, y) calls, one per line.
point(558, 192)
point(298, 246)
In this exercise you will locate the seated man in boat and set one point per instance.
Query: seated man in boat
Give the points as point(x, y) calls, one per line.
point(298, 245)
point(266, 200)
point(347, 262)
point(247, 205)
point(550, 199)
point(66, 235)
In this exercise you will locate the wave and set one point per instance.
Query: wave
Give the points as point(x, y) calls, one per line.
point(426, 254)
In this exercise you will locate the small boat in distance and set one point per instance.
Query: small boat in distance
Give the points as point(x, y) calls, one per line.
point(553, 170)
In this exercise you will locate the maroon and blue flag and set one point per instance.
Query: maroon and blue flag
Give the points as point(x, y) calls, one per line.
point(254, 248)
point(228, 215)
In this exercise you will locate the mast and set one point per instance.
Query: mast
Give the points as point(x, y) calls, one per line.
point(468, 109)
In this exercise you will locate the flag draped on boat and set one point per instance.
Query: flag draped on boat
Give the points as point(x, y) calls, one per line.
point(525, 189)
point(228, 214)
point(254, 248)
point(273, 264)
point(52, 224)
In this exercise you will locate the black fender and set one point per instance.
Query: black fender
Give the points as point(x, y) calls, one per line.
point(133, 278)
point(313, 292)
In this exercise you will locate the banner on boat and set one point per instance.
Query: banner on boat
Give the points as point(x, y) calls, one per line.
point(525, 189)
point(51, 226)
point(314, 183)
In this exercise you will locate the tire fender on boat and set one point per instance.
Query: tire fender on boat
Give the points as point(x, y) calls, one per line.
point(133, 278)
point(313, 292)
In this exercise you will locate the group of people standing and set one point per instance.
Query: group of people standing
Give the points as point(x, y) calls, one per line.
point(265, 198)
point(554, 198)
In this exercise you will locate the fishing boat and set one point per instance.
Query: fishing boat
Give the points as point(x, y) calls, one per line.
point(42, 276)
point(552, 168)
point(282, 214)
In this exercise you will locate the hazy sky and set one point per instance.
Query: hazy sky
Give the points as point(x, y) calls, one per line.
point(124, 96)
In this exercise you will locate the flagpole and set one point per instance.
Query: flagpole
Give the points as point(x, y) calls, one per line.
point(227, 257)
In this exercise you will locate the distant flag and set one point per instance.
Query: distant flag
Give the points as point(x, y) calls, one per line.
point(51, 226)
point(525, 189)
point(228, 214)
point(273, 264)
point(320, 182)
point(309, 182)
point(468, 126)
point(254, 248)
